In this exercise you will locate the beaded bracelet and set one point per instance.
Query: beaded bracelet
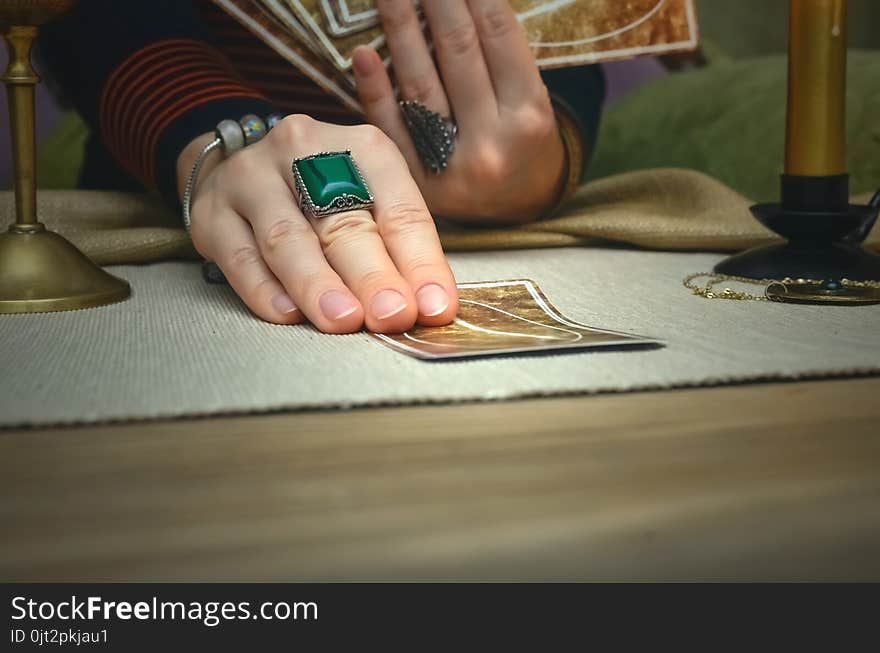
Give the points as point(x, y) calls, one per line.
point(231, 136)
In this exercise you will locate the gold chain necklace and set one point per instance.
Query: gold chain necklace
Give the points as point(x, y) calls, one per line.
point(801, 291)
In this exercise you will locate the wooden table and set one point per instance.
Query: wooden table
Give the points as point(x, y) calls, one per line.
point(749, 482)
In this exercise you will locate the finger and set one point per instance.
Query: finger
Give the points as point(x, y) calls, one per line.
point(408, 236)
point(380, 105)
point(353, 246)
point(351, 243)
point(408, 231)
point(290, 246)
point(414, 68)
point(463, 69)
point(511, 64)
point(230, 244)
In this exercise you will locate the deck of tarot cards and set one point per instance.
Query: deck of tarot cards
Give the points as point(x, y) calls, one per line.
point(319, 36)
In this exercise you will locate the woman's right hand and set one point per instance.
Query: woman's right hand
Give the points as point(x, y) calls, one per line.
point(384, 269)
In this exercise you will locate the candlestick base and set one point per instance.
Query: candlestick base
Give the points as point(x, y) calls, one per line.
point(804, 261)
point(42, 272)
point(823, 233)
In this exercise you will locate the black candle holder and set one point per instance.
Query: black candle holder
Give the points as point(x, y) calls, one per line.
point(823, 230)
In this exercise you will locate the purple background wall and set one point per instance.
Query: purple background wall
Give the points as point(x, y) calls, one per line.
point(625, 76)
point(622, 76)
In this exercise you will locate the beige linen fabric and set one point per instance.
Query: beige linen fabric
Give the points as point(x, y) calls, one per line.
point(656, 209)
point(180, 347)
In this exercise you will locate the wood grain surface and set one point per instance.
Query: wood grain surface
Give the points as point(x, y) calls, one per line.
point(761, 482)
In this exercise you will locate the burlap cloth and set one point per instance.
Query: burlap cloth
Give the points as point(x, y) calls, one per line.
point(663, 209)
point(181, 347)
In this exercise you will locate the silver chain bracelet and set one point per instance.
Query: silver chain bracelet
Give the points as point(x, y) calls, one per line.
point(230, 136)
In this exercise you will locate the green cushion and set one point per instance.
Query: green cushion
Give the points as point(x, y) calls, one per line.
point(745, 28)
point(728, 120)
point(60, 154)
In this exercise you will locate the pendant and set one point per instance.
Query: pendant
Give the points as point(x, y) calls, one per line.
point(841, 293)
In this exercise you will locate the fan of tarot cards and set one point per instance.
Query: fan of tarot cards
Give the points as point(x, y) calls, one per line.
point(319, 36)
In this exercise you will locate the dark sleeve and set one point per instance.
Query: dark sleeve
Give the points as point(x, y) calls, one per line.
point(581, 90)
point(147, 79)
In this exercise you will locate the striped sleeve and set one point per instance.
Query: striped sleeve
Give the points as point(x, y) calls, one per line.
point(147, 78)
point(155, 87)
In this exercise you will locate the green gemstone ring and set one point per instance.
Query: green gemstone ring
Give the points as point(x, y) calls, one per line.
point(329, 183)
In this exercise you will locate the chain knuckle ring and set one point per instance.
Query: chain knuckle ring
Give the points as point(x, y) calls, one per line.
point(432, 134)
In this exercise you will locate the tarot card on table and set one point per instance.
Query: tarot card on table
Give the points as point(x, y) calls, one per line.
point(506, 317)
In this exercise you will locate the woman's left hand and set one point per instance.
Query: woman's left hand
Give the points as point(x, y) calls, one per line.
point(509, 161)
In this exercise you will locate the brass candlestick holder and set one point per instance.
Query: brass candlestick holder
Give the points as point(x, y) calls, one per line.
point(39, 270)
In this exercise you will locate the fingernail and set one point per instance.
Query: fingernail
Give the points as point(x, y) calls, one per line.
point(388, 303)
point(283, 304)
point(363, 62)
point(336, 305)
point(433, 300)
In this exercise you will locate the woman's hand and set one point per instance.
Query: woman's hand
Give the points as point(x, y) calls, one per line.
point(509, 160)
point(384, 269)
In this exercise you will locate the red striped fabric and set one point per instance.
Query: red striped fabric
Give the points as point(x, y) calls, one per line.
point(160, 83)
point(266, 71)
point(153, 87)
